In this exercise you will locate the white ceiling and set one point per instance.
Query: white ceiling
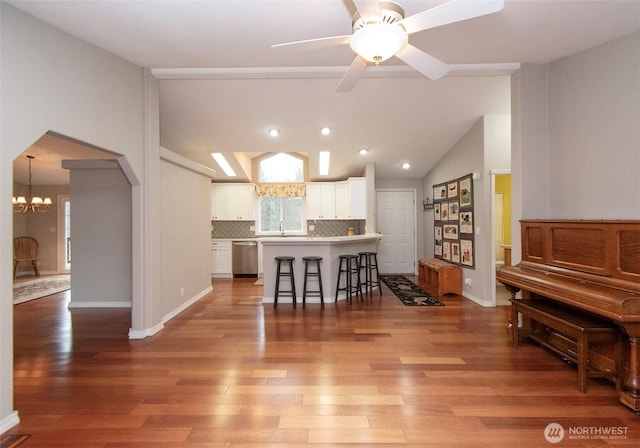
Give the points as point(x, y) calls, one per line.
point(242, 87)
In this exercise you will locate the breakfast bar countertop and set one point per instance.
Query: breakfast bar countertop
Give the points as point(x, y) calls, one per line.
point(329, 248)
point(286, 240)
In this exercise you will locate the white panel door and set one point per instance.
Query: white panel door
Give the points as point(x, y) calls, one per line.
point(396, 223)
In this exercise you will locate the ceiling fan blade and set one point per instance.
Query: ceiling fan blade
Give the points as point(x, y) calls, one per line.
point(368, 7)
point(426, 64)
point(450, 12)
point(312, 44)
point(350, 78)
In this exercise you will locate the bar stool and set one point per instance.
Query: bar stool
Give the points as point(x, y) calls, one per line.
point(369, 262)
point(288, 262)
point(308, 273)
point(349, 265)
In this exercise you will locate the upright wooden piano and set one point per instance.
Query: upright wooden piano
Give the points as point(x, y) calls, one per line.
point(592, 267)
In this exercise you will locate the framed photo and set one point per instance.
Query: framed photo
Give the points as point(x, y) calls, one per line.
point(436, 212)
point(466, 192)
point(444, 212)
point(466, 222)
point(446, 250)
point(452, 190)
point(466, 248)
point(455, 252)
point(439, 192)
point(450, 231)
point(437, 248)
point(454, 208)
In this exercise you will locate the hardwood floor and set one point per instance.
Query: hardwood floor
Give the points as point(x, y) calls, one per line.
point(230, 372)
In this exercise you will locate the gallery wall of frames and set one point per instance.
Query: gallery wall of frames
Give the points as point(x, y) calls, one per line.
point(453, 221)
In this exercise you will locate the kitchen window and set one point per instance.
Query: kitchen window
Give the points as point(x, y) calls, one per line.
point(280, 195)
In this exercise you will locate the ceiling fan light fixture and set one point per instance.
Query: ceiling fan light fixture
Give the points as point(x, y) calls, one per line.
point(377, 42)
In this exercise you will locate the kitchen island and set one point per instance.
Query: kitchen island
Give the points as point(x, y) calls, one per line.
point(329, 248)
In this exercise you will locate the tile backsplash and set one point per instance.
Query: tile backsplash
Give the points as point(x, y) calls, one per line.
point(242, 229)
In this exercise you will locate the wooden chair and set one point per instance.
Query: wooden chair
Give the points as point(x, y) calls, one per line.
point(25, 248)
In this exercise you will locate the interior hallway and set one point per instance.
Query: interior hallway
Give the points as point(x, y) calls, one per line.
point(230, 372)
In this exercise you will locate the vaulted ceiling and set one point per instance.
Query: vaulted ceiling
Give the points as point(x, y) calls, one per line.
point(222, 86)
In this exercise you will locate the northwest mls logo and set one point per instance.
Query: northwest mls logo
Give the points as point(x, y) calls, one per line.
point(554, 433)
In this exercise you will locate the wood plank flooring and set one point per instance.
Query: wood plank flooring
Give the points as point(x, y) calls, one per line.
point(232, 373)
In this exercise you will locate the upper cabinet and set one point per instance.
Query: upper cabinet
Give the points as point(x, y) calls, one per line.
point(321, 200)
point(233, 202)
point(337, 200)
point(351, 198)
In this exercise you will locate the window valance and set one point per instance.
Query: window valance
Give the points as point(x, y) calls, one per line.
point(281, 190)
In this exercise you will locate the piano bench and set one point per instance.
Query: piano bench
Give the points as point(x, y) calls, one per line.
point(569, 333)
point(446, 277)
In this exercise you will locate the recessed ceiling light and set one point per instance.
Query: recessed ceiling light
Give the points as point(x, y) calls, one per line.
point(325, 131)
point(324, 157)
point(222, 162)
point(364, 151)
point(273, 132)
point(406, 166)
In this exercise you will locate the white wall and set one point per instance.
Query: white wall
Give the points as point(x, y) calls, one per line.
point(101, 234)
point(52, 81)
point(594, 133)
point(576, 137)
point(186, 242)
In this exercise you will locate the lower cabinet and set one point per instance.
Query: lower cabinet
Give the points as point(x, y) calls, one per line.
point(221, 259)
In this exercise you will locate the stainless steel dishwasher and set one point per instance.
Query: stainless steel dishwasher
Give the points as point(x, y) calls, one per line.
point(244, 255)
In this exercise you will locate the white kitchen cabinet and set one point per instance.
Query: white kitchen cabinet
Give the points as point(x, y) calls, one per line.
point(321, 200)
point(219, 202)
point(221, 259)
point(233, 202)
point(351, 198)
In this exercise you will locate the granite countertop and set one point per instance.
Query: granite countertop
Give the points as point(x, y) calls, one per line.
point(317, 239)
point(303, 238)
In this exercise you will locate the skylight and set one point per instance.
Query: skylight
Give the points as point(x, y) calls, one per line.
point(281, 168)
point(224, 165)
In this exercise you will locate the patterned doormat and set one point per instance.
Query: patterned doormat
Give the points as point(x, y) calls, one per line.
point(12, 440)
point(37, 287)
point(408, 292)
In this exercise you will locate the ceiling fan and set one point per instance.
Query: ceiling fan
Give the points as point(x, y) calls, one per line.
point(380, 31)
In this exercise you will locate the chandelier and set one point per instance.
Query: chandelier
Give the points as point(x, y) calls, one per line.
point(32, 203)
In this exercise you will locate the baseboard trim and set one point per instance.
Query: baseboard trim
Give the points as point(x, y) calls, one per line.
point(141, 334)
point(9, 422)
point(81, 304)
point(475, 299)
point(186, 304)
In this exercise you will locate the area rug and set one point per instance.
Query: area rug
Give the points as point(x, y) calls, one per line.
point(12, 440)
point(259, 282)
point(408, 292)
point(31, 289)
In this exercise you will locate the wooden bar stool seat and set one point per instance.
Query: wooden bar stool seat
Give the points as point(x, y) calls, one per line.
point(349, 265)
point(287, 273)
point(369, 262)
point(315, 272)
